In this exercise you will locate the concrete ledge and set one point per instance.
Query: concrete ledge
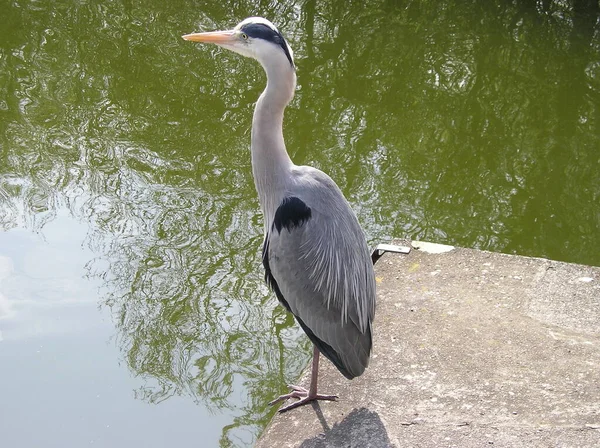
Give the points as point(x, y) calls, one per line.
point(471, 349)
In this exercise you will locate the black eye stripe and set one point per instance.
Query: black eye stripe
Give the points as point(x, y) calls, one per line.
point(265, 32)
point(260, 31)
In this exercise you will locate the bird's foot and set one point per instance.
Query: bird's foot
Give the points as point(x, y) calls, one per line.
point(303, 397)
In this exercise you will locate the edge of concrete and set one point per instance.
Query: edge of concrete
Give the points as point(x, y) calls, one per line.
point(471, 348)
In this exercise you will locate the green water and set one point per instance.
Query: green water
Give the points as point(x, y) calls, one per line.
point(132, 306)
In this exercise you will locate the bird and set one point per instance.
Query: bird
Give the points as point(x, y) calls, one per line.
point(315, 254)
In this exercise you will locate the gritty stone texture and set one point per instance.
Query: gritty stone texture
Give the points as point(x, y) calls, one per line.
point(471, 349)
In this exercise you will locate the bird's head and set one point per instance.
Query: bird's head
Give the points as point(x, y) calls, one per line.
point(254, 37)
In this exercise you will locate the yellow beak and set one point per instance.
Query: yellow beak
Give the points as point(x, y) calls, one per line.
point(214, 37)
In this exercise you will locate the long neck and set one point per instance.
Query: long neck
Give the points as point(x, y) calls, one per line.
point(271, 163)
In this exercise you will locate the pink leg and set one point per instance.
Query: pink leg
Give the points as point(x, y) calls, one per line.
point(305, 396)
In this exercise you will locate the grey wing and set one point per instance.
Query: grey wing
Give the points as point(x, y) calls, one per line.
point(317, 261)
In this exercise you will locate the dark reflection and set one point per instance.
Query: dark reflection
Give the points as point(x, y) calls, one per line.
point(475, 125)
point(361, 427)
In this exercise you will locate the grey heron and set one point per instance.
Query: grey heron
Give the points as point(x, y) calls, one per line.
point(315, 253)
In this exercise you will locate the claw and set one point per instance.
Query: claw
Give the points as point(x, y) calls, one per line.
point(303, 397)
point(307, 400)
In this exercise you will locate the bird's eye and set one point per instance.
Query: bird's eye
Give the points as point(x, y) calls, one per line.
point(244, 36)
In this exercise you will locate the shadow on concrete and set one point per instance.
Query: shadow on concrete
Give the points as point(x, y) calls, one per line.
point(361, 428)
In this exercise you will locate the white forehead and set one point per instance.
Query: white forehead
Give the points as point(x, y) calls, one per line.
point(260, 20)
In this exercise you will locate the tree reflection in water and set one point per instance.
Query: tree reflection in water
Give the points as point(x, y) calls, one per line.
point(475, 125)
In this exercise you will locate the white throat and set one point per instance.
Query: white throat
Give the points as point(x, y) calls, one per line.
point(271, 164)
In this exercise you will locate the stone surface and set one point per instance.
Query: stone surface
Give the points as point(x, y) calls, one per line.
point(471, 349)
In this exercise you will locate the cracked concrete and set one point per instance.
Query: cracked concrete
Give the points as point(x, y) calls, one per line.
point(471, 349)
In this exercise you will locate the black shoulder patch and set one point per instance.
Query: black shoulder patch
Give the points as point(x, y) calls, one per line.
point(292, 212)
point(265, 32)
